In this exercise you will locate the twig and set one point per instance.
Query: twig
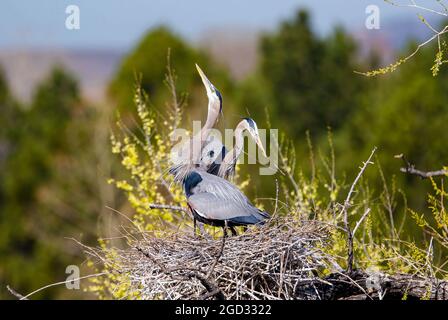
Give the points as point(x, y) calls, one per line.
point(167, 207)
point(61, 282)
point(276, 198)
point(416, 6)
point(425, 174)
point(410, 169)
point(345, 208)
point(15, 293)
point(360, 221)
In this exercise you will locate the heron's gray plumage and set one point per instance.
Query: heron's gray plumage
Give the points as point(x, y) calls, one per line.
point(217, 160)
point(216, 200)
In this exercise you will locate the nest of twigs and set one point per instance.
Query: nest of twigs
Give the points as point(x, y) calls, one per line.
point(277, 261)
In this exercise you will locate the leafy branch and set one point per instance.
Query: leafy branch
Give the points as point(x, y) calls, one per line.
point(437, 35)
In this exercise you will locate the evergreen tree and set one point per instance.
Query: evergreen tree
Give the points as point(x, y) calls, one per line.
point(311, 79)
point(147, 64)
point(403, 113)
point(30, 255)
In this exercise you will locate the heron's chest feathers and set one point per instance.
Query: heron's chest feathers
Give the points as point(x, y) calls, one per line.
point(190, 182)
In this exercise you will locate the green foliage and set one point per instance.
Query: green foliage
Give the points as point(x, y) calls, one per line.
point(379, 244)
point(145, 159)
point(404, 113)
point(147, 64)
point(309, 78)
point(440, 58)
point(437, 224)
point(46, 193)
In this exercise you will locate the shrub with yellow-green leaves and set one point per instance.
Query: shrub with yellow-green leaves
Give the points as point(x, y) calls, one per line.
point(379, 243)
point(144, 153)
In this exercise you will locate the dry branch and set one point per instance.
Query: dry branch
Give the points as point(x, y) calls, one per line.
point(368, 286)
point(15, 293)
point(424, 174)
point(167, 207)
point(410, 169)
point(345, 208)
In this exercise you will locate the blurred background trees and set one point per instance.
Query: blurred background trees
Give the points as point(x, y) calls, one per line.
point(55, 155)
point(147, 65)
point(41, 183)
point(309, 79)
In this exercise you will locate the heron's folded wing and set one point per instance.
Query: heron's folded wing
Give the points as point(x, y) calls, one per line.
point(221, 188)
point(212, 207)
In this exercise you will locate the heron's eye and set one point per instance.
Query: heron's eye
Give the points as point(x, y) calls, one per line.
point(211, 153)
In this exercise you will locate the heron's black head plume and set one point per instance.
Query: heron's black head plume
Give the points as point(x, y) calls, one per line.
point(251, 123)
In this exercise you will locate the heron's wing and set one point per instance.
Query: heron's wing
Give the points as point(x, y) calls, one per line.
point(212, 207)
point(220, 188)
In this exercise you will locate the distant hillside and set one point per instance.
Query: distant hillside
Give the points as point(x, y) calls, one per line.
point(93, 68)
point(232, 47)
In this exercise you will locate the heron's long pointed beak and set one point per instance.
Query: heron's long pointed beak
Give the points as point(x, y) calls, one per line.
point(207, 84)
point(260, 145)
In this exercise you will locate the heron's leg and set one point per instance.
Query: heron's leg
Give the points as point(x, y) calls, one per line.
point(224, 235)
point(194, 226)
point(234, 233)
point(244, 228)
point(221, 250)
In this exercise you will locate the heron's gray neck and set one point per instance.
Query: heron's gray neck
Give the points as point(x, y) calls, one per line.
point(232, 156)
point(212, 116)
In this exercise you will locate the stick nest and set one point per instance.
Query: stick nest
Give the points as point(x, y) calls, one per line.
point(276, 261)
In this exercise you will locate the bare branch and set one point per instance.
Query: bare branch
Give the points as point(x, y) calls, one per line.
point(15, 293)
point(360, 221)
point(410, 169)
point(61, 282)
point(167, 207)
point(345, 211)
point(424, 174)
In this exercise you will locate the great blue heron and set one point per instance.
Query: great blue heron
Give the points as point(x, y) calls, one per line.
point(211, 199)
point(187, 156)
point(217, 202)
point(217, 160)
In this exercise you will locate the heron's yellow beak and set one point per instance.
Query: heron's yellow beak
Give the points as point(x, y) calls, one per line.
point(207, 84)
point(260, 145)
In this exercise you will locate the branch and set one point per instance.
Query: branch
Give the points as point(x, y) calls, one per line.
point(424, 174)
point(345, 209)
point(361, 220)
point(167, 207)
point(59, 283)
point(412, 4)
point(436, 35)
point(15, 293)
point(410, 169)
point(366, 286)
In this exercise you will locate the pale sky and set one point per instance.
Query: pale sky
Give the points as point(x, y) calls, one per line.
point(118, 24)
